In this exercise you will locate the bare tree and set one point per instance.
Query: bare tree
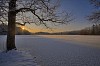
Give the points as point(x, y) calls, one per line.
point(39, 12)
point(95, 16)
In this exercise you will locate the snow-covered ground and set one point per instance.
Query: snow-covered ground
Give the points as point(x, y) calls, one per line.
point(66, 51)
point(16, 58)
point(89, 40)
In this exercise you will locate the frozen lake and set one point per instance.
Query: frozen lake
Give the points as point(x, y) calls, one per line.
point(65, 50)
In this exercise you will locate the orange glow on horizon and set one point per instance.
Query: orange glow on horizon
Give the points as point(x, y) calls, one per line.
point(23, 28)
point(35, 29)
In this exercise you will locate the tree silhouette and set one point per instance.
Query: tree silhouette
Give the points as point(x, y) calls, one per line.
point(39, 12)
point(95, 16)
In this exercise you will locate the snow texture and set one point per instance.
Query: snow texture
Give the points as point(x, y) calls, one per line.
point(16, 58)
point(54, 51)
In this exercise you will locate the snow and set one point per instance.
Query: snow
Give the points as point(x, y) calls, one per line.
point(2, 42)
point(16, 58)
point(88, 40)
point(62, 51)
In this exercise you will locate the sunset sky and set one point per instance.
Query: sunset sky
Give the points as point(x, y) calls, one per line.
point(80, 10)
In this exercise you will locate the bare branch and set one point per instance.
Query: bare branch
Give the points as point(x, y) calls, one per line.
point(43, 11)
point(95, 16)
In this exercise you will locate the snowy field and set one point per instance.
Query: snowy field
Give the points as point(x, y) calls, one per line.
point(59, 50)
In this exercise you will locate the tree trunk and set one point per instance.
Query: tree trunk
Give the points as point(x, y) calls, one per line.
point(11, 25)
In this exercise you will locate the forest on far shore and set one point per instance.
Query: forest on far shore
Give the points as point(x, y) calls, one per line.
point(93, 30)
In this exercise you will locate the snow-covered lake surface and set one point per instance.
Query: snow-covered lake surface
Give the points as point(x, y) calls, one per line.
point(66, 50)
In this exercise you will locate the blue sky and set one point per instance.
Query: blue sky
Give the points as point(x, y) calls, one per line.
point(80, 10)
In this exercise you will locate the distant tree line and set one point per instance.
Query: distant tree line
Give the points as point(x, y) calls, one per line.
point(93, 30)
point(19, 30)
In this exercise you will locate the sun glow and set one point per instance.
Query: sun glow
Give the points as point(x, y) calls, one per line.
point(38, 29)
point(23, 28)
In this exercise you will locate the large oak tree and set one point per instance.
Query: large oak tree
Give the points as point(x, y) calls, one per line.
point(39, 12)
